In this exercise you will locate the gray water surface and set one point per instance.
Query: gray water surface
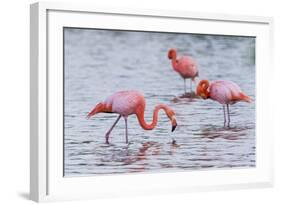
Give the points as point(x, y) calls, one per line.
point(98, 63)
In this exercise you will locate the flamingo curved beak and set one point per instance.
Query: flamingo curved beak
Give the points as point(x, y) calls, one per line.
point(174, 123)
point(202, 95)
point(174, 127)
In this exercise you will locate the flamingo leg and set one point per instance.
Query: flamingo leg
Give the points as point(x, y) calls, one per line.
point(227, 106)
point(184, 86)
point(224, 115)
point(126, 127)
point(109, 131)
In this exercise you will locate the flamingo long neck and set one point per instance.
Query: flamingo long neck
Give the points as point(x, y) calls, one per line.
point(175, 62)
point(144, 124)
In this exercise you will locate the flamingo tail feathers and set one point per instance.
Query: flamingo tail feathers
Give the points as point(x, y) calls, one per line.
point(245, 98)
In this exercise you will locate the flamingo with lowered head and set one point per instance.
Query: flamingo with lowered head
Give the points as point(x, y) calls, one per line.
point(223, 91)
point(185, 66)
point(126, 103)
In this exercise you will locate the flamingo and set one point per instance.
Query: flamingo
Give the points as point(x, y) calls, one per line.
point(185, 66)
point(126, 103)
point(223, 91)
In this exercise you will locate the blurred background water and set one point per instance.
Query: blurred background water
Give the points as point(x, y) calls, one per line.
point(100, 62)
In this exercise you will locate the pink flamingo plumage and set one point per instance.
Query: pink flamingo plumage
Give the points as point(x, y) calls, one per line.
point(185, 66)
point(223, 91)
point(126, 103)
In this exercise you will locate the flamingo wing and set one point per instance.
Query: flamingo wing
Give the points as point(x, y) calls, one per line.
point(220, 93)
point(235, 90)
point(125, 102)
point(227, 92)
point(187, 67)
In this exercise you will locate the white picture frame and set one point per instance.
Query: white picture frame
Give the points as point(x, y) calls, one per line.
point(46, 179)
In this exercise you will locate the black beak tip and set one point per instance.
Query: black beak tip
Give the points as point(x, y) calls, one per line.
point(174, 127)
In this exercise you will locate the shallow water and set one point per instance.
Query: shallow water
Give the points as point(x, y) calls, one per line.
point(99, 63)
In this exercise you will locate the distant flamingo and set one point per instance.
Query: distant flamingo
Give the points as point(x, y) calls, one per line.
point(126, 103)
point(185, 66)
point(223, 91)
